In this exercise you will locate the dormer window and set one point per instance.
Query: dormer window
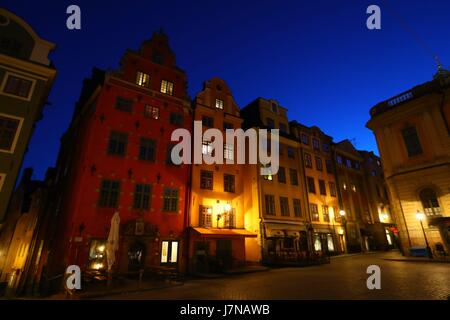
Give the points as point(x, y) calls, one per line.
point(219, 104)
point(143, 79)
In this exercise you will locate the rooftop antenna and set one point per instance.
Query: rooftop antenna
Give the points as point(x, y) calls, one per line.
point(419, 40)
point(438, 63)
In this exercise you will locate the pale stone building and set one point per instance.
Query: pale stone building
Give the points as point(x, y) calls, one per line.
point(413, 136)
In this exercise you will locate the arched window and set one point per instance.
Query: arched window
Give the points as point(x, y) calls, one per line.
point(430, 202)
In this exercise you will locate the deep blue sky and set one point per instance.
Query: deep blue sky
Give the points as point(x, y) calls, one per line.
point(317, 58)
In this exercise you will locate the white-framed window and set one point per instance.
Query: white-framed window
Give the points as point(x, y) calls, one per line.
point(143, 79)
point(17, 86)
point(169, 252)
point(219, 104)
point(228, 151)
point(10, 127)
point(207, 148)
point(2, 180)
point(167, 87)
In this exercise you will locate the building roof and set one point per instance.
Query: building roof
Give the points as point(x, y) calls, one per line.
point(441, 80)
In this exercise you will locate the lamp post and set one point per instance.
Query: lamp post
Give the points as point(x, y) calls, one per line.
point(420, 216)
point(344, 222)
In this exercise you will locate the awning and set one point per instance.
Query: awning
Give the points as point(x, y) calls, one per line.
point(280, 230)
point(215, 232)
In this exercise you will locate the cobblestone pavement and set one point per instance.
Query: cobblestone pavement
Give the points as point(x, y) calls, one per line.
point(344, 278)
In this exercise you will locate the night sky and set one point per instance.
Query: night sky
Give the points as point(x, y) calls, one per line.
point(317, 58)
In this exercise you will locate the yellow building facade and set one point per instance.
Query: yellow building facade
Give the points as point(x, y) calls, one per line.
point(413, 135)
point(223, 234)
point(323, 203)
point(283, 210)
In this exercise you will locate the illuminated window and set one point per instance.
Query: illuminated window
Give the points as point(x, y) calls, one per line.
point(169, 252)
point(97, 255)
point(269, 202)
point(18, 86)
point(207, 148)
point(167, 87)
point(314, 211)
point(151, 112)
point(330, 242)
point(219, 104)
point(143, 79)
point(317, 242)
point(228, 151)
point(205, 217)
point(230, 219)
point(430, 202)
point(9, 128)
point(326, 213)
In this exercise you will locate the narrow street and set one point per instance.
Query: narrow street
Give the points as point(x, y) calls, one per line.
point(344, 278)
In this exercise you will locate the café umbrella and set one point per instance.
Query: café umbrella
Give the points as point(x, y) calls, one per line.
point(112, 244)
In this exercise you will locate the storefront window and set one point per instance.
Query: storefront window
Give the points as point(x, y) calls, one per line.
point(97, 255)
point(169, 252)
point(330, 242)
point(317, 242)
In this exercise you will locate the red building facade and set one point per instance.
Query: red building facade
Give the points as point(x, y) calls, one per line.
point(115, 157)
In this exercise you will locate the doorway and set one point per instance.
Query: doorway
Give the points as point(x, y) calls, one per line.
point(224, 253)
point(136, 256)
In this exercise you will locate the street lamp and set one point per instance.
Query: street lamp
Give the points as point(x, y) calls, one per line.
point(420, 216)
